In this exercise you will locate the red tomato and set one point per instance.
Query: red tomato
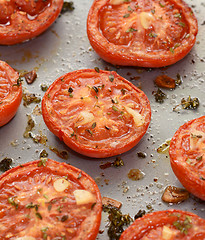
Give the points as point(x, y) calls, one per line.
point(96, 113)
point(149, 33)
point(45, 199)
point(21, 20)
point(187, 156)
point(10, 93)
point(166, 225)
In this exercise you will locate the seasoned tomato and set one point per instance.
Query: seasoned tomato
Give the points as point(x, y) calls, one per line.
point(96, 113)
point(146, 33)
point(21, 20)
point(187, 156)
point(166, 225)
point(10, 93)
point(45, 199)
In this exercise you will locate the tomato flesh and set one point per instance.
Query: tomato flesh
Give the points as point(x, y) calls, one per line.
point(31, 207)
point(187, 156)
point(169, 224)
point(141, 33)
point(95, 116)
point(10, 93)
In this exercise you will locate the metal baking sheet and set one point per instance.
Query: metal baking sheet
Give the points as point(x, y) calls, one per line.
point(64, 47)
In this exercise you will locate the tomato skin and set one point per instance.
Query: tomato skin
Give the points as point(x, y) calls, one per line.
point(88, 228)
point(126, 53)
point(190, 176)
point(151, 221)
point(10, 95)
point(79, 138)
point(25, 20)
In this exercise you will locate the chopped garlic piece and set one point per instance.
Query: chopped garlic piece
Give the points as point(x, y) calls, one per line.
point(25, 238)
point(138, 118)
point(83, 197)
point(167, 233)
point(84, 117)
point(197, 140)
point(116, 2)
point(60, 184)
point(146, 19)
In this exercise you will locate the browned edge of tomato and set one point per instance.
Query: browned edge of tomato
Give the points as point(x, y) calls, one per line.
point(10, 93)
point(166, 224)
point(187, 163)
point(111, 130)
point(158, 43)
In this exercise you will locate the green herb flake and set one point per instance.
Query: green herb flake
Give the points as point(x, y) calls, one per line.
point(131, 30)
point(183, 226)
point(171, 49)
point(126, 15)
point(94, 125)
point(18, 82)
point(111, 77)
point(97, 69)
point(178, 15)
point(42, 162)
point(153, 11)
point(152, 34)
point(67, 7)
point(79, 175)
point(93, 205)
point(182, 24)
point(11, 200)
point(95, 89)
point(115, 108)
point(130, 9)
point(31, 205)
point(161, 5)
point(38, 215)
point(71, 95)
point(89, 131)
point(64, 218)
point(159, 95)
point(199, 158)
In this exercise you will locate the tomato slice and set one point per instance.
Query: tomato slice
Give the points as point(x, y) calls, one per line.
point(21, 20)
point(146, 33)
point(166, 225)
point(45, 199)
point(10, 93)
point(96, 113)
point(187, 156)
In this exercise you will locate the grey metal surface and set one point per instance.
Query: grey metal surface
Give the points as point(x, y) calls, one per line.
point(64, 48)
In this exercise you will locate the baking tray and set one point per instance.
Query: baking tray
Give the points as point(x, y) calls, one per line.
point(64, 47)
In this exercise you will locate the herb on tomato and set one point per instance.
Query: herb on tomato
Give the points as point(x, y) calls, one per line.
point(79, 175)
point(42, 162)
point(64, 218)
point(89, 131)
point(94, 125)
point(130, 9)
point(115, 108)
point(131, 30)
point(31, 205)
point(18, 82)
point(159, 95)
point(44, 230)
point(70, 89)
point(182, 24)
point(5, 164)
point(152, 34)
point(178, 15)
point(111, 77)
point(95, 89)
point(67, 7)
point(11, 200)
point(97, 69)
point(38, 215)
point(126, 15)
point(161, 5)
point(183, 226)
